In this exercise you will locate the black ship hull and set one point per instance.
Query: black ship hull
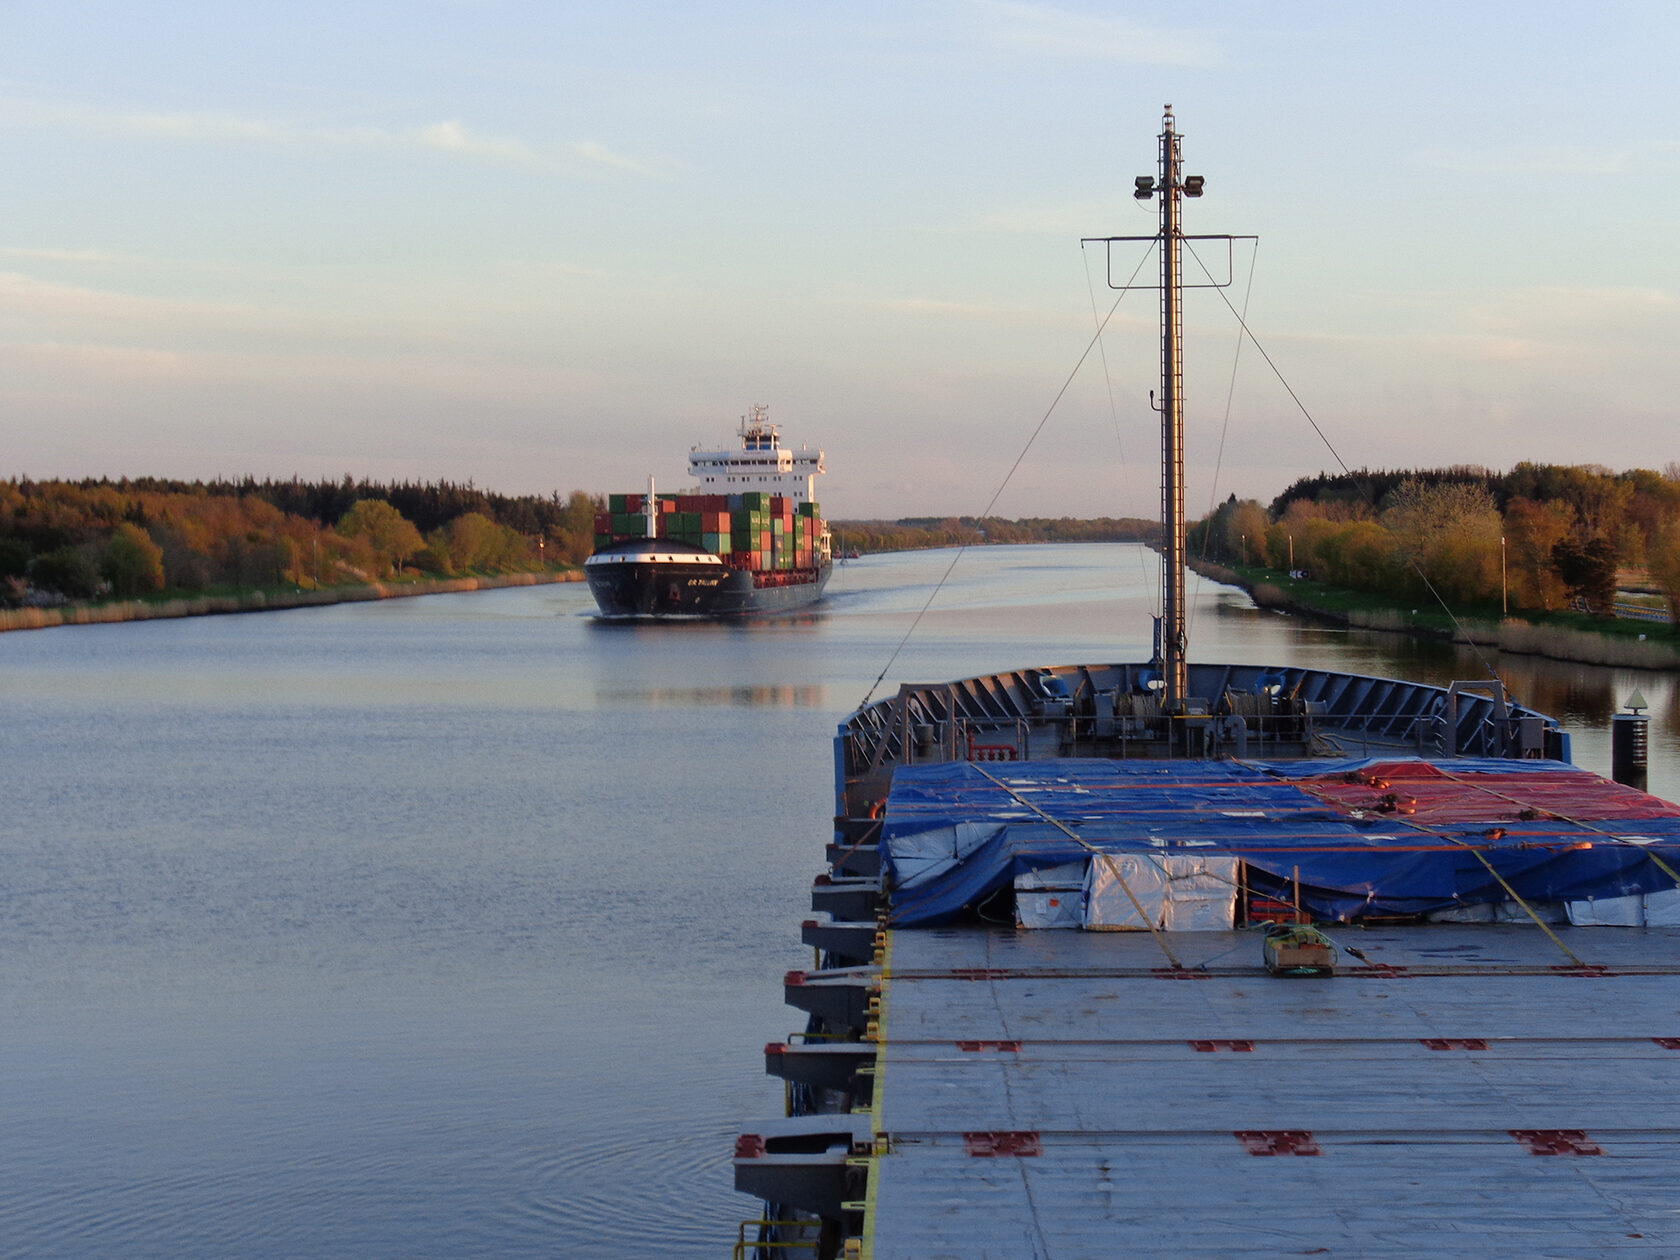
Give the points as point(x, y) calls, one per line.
point(634, 583)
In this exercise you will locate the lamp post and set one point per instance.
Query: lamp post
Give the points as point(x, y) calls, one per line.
point(1504, 592)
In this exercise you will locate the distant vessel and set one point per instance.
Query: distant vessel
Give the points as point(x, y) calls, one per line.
point(1104, 949)
point(753, 541)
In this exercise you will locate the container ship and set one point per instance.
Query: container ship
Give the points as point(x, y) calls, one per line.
point(751, 540)
point(1195, 959)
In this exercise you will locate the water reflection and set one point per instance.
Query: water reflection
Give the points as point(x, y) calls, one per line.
point(785, 696)
point(454, 925)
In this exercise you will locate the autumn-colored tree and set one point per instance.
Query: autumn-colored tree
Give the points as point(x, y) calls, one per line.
point(1448, 533)
point(1532, 530)
point(1663, 560)
point(1245, 532)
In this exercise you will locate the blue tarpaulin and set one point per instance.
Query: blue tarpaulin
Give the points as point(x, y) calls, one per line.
point(1395, 836)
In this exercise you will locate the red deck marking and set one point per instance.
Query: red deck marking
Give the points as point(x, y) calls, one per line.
point(1277, 1141)
point(1557, 1142)
point(979, 973)
point(749, 1146)
point(1454, 1043)
point(1221, 1043)
point(1178, 973)
point(1022, 1142)
point(975, 1047)
point(794, 978)
point(1385, 969)
point(1668, 1043)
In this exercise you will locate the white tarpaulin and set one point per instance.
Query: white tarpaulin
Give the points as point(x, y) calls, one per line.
point(1053, 897)
point(1178, 893)
point(1653, 909)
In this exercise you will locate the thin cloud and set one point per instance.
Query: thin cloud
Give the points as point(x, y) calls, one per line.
point(577, 158)
point(452, 137)
point(1045, 28)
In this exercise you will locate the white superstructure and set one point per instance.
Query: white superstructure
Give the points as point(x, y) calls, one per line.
point(761, 463)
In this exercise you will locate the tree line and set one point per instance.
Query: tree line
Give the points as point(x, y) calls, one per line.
point(913, 532)
point(79, 540)
point(1542, 536)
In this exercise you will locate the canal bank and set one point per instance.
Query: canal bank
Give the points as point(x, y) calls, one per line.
point(262, 601)
point(1656, 648)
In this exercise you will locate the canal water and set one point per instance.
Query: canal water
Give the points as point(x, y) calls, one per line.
point(454, 926)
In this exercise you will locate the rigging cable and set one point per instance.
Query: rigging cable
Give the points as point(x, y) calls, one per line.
point(998, 493)
point(1114, 415)
point(1461, 633)
point(1230, 395)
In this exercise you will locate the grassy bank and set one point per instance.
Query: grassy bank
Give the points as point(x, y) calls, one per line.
point(204, 605)
point(1562, 636)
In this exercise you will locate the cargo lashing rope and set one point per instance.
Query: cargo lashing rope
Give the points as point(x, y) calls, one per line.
point(1480, 857)
point(1104, 855)
point(1656, 861)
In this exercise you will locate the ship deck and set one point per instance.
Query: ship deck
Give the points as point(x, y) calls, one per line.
point(1463, 1087)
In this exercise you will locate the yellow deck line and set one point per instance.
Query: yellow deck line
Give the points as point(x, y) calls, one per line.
point(872, 1187)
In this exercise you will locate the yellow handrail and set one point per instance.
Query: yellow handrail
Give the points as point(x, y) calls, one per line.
point(744, 1246)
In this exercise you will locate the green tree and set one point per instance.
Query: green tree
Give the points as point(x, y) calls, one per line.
point(1589, 571)
point(386, 531)
point(133, 563)
point(70, 571)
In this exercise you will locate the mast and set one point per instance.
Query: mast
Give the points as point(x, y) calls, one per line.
point(1171, 184)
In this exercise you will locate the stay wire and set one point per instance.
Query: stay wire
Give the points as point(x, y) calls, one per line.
point(1230, 396)
point(1462, 634)
point(1096, 338)
point(1114, 411)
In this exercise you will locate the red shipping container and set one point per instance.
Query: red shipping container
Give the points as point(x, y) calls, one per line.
point(632, 504)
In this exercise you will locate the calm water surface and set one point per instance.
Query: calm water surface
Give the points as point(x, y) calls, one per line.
point(454, 926)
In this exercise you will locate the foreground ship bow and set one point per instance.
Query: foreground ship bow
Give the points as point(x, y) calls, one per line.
point(1183, 959)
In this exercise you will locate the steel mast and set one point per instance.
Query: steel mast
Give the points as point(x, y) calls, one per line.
point(1171, 184)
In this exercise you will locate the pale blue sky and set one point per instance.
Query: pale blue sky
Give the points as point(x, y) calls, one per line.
point(551, 246)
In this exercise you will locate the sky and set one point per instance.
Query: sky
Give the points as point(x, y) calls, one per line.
point(553, 246)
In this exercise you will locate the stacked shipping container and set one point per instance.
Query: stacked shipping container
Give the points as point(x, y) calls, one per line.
point(763, 533)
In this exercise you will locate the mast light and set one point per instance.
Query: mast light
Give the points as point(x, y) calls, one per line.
point(1193, 185)
point(1145, 187)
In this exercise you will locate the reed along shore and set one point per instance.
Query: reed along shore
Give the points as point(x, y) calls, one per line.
point(78, 614)
point(1657, 650)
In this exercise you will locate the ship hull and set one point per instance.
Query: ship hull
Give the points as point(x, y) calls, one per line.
point(662, 589)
